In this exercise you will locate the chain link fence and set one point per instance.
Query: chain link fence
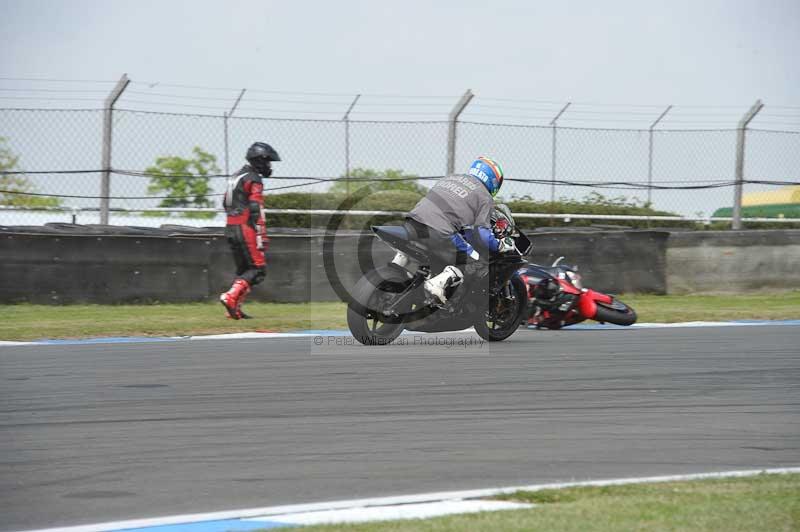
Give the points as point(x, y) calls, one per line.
point(56, 154)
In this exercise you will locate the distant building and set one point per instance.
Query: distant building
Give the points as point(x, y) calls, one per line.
point(782, 203)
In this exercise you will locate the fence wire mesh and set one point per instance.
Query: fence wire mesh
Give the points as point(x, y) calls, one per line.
point(57, 153)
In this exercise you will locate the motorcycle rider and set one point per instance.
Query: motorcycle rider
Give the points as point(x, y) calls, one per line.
point(455, 204)
point(246, 227)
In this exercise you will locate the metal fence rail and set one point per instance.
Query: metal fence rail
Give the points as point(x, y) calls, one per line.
point(98, 158)
point(161, 216)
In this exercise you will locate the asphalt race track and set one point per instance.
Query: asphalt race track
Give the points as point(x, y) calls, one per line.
point(92, 433)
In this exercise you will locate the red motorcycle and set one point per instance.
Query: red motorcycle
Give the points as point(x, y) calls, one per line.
point(557, 298)
point(556, 295)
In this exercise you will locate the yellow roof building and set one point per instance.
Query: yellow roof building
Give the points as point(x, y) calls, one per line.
point(773, 197)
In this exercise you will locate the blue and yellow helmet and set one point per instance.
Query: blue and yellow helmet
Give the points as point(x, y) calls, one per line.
point(489, 172)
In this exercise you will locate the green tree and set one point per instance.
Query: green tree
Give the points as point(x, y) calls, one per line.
point(383, 180)
point(16, 185)
point(185, 181)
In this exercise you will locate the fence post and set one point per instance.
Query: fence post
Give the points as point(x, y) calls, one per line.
point(650, 155)
point(736, 223)
point(225, 117)
point(108, 126)
point(451, 130)
point(346, 119)
point(554, 123)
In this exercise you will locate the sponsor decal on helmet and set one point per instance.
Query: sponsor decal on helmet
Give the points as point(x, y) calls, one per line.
point(479, 173)
point(496, 170)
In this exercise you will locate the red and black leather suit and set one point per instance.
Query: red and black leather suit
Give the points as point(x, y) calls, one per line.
point(245, 228)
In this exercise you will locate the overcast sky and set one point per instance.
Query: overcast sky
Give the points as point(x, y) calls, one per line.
point(629, 51)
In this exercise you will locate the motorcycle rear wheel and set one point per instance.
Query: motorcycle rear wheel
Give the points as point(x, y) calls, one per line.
point(615, 312)
point(373, 292)
point(505, 313)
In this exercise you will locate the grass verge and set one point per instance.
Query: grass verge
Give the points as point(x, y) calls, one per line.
point(763, 502)
point(716, 307)
point(30, 322)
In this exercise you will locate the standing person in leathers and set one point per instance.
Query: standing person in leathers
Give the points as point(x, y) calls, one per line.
point(246, 228)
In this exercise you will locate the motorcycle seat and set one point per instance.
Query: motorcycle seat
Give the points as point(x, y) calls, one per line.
point(391, 232)
point(397, 236)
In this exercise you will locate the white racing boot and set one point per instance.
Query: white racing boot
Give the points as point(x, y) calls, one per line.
point(436, 286)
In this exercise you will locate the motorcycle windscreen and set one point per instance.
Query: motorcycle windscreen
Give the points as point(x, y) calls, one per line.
point(523, 243)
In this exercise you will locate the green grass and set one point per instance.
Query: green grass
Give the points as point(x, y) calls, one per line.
point(716, 307)
point(29, 322)
point(760, 503)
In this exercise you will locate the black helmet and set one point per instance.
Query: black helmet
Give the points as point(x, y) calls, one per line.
point(260, 156)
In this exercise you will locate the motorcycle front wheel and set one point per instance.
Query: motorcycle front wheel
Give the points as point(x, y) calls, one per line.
point(371, 295)
point(506, 311)
point(615, 312)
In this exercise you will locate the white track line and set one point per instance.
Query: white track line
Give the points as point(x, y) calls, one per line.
point(423, 510)
point(309, 334)
point(267, 511)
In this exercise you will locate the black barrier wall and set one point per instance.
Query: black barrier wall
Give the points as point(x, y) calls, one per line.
point(616, 262)
point(54, 268)
point(733, 261)
point(106, 269)
point(59, 268)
